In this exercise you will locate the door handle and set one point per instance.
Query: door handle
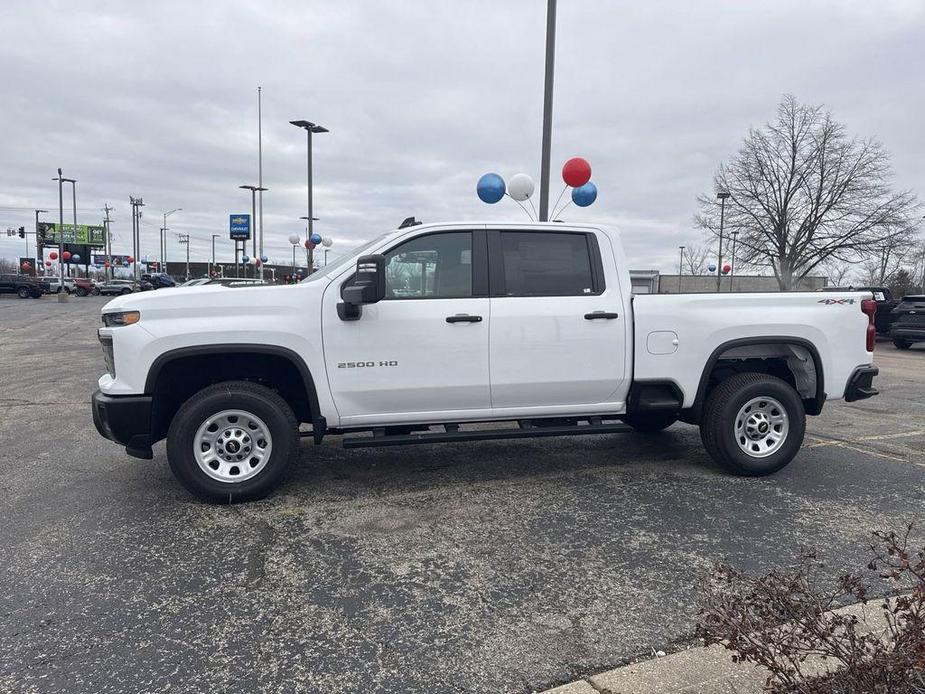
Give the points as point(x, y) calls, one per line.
point(463, 318)
point(601, 314)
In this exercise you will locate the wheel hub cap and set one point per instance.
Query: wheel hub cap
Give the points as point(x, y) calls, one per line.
point(232, 446)
point(761, 427)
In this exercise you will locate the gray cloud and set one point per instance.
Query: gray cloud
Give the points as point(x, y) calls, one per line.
point(159, 100)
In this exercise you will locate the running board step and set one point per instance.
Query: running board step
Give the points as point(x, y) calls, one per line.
point(483, 435)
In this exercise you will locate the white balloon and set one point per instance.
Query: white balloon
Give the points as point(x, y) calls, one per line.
point(326, 241)
point(294, 239)
point(520, 187)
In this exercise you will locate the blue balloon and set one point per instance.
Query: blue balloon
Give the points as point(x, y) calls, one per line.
point(584, 195)
point(315, 239)
point(263, 259)
point(711, 267)
point(245, 258)
point(490, 188)
point(75, 258)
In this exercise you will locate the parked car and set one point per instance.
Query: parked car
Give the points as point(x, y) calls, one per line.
point(159, 280)
point(227, 377)
point(113, 287)
point(84, 286)
point(24, 286)
point(886, 302)
point(909, 325)
point(54, 285)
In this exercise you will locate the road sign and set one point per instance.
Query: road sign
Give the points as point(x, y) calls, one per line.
point(117, 260)
point(239, 226)
point(83, 234)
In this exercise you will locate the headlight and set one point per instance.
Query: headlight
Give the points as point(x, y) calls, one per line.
point(121, 318)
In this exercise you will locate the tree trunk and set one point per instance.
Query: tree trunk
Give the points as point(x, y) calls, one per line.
point(785, 276)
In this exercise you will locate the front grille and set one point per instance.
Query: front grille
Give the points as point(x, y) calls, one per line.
point(108, 359)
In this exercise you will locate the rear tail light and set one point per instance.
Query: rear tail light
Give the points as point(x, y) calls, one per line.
point(869, 308)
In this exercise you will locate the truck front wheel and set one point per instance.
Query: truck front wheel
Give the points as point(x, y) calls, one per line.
point(753, 424)
point(233, 441)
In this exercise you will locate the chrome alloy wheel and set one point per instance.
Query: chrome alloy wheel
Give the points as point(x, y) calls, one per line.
point(761, 427)
point(232, 446)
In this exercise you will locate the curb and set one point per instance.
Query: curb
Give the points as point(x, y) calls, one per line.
point(698, 670)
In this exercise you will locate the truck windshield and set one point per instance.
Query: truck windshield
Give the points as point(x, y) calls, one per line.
point(336, 266)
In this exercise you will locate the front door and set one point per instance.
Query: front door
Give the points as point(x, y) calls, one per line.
point(558, 332)
point(422, 351)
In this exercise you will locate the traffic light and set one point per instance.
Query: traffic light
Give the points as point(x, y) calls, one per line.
point(22, 232)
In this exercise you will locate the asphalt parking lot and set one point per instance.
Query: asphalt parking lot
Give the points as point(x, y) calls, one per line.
point(487, 567)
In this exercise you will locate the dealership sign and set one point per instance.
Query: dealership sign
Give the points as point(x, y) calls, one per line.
point(115, 260)
point(239, 227)
point(84, 234)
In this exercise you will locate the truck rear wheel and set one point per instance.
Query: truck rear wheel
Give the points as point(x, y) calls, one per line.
point(901, 343)
point(753, 424)
point(24, 292)
point(233, 441)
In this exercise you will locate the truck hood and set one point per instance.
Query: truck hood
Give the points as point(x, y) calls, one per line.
point(217, 300)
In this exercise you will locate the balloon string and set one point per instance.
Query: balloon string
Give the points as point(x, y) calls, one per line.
point(527, 212)
point(535, 215)
point(556, 214)
point(564, 188)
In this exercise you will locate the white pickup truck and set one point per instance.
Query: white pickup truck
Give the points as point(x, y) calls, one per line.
point(429, 331)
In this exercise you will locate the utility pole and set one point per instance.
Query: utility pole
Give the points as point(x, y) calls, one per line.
point(680, 268)
point(722, 215)
point(732, 265)
point(184, 239)
point(107, 241)
point(547, 108)
point(136, 231)
point(62, 295)
point(212, 268)
point(260, 169)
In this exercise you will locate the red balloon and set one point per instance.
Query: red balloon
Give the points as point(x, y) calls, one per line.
point(47, 263)
point(105, 264)
point(576, 172)
point(66, 255)
point(53, 255)
point(257, 262)
point(727, 268)
point(130, 259)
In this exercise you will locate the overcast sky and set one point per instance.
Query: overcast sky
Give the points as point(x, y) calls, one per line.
point(158, 99)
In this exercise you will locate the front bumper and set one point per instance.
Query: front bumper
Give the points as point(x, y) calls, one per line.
point(912, 333)
point(125, 419)
point(861, 384)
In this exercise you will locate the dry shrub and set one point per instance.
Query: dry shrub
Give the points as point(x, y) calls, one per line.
point(783, 621)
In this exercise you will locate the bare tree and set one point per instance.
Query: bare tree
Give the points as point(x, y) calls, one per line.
point(838, 272)
point(804, 192)
point(695, 259)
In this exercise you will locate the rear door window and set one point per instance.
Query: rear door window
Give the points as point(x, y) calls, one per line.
point(550, 264)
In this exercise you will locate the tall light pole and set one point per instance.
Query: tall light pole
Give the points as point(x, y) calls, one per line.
point(547, 108)
point(73, 182)
point(732, 265)
point(260, 187)
point(680, 267)
point(309, 128)
point(254, 190)
point(62, 295)
point(212, 269)
point(722, 215)
point(137, 204)
point(164, 231)
point(38, 246)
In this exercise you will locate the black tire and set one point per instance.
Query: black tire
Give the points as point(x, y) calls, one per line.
point(24, 292)
point(126, 291)
point(37, 295)
point(81, 291)
point(718, 426)
point(901, 343)
point(651, 422)
point(233, 395)
point(96, 291)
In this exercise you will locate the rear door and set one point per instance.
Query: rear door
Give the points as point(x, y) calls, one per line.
point(558, 329)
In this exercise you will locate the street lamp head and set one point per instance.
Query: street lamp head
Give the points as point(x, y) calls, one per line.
point(314, 219)
point(309, 126)
point(253, 189)
point(723, 194)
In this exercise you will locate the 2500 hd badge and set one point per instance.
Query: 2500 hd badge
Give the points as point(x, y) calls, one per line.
point(365, 364)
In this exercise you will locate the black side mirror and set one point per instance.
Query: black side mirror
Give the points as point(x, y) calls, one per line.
point(368, 287)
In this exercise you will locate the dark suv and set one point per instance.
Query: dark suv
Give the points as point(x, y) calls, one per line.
point(909, 325)
point(24, 286)
point(885, 305)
